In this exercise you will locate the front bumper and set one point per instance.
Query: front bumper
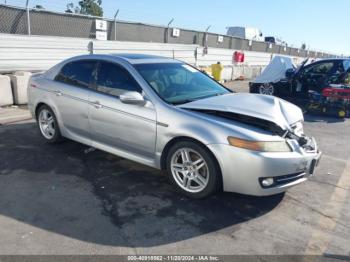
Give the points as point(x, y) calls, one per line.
point(243, 170)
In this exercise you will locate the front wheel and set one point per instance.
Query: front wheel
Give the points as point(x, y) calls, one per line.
point(193, 169)
point(266, 89)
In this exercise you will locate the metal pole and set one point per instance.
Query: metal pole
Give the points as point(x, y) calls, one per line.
point(167, 30)
point(172, 20)
point(28, 18)
point(91, 47)
point(206, 35)
point(115, 25)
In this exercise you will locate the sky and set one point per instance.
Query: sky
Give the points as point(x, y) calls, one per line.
point(321, 24)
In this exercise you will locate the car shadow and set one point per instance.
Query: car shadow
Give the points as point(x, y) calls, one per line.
point(313, 117)
point(100, 198)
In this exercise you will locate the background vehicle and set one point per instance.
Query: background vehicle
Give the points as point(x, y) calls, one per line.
point(333, 100)
point(275, 40)
point(250, 33)
point(166, 114)
point(296, 82)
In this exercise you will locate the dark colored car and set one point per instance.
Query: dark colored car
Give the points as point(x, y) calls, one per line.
point(314, 76)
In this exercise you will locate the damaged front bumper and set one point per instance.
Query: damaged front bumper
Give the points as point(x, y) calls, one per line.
point(243, 170)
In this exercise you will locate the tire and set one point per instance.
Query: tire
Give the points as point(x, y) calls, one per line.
point(192, 177)
point(48, 125)
point(266, 89)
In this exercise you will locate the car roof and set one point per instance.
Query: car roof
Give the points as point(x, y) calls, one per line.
point(137, 56)
point(144, 58)
point(332, 59)
point(129, 58)
point(325, 60)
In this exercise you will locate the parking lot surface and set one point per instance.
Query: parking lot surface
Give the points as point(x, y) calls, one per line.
point(64, 200)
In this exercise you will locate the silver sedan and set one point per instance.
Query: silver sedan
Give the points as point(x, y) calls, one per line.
point(168, 115)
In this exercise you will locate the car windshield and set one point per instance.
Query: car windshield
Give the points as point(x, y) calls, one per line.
point(178, 83)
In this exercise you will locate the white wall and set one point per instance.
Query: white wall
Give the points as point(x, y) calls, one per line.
point(37, 53)
point(32, 53)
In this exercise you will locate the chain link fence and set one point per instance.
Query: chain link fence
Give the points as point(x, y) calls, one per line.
point(16, 20)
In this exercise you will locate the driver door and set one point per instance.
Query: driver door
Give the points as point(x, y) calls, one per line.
point(314, 77)
point(115, 126)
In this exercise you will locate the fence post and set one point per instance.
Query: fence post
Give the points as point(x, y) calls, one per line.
point(115, 25)
point(230, 43)
point(205, 36)
point(90, 47)
point(28, 18)
point(166, 34)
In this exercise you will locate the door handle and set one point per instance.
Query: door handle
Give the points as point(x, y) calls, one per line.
point(58, 93)
point(97, 105)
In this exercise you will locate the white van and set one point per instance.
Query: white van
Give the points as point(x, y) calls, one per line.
point(250, 33)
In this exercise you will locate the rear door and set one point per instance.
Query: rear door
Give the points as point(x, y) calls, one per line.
point(117, 127)
point(72, 90)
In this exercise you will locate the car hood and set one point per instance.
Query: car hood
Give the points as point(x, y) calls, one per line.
point(269, 108)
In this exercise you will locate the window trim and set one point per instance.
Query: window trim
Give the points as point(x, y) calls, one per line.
point(93, 76)
point(94, 82)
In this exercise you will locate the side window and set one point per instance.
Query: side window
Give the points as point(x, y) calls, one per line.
point(114, 80)
point(78, 73)
point(346, 65)
point(321, 68)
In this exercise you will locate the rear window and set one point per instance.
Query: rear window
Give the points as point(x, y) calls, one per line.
point(78, 73)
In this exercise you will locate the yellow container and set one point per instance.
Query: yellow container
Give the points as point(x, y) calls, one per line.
point(347, 79)
point(216, 70)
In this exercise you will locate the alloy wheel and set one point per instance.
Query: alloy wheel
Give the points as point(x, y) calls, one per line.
point(47, 124)
point(266, 89)
point(189, 170)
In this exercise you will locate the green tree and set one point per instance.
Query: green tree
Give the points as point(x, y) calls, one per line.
point(91, 7)
point(70, 8)
point(39, 7)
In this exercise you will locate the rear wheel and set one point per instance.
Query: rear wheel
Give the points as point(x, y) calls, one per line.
point(48, 125)
point(266, 89)
point(193, 169)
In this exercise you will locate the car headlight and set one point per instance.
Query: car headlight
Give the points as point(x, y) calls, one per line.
point(271, 146)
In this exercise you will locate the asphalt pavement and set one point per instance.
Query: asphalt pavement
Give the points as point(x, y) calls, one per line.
point(61, 200)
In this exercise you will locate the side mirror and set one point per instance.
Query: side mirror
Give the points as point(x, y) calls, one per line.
point(290, 73)
point(132, 98)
